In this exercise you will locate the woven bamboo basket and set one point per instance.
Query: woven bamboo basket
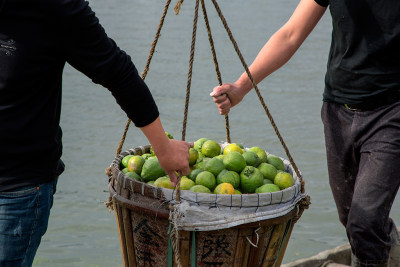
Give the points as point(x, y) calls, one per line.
point(142, 214)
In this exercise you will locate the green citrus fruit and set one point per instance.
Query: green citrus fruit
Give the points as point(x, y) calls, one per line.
point(269, 171)
point(232, 147)
point(164, 182)
point(193, 156)
point(284, 180)
point(214, 165)
point(135, 164)
point(268, 181)
point(194, 173)
point(125, 170)
point(234, 161)
point(186, 183)
point(124, 161)
point(151, 182)
point(250, 179)
point(133, 175)
point(201, 165)
point(169, 135)
point(262, 155)
point(211, 148)
point(221, 157)
point(237, 192)
point(251, 158)
point(239, 145)
point(151, 170)
point(146, 155)
point(224, 188)
point(199, 143)
point(267, 188)
point(200, 189)
point(231, 177)
point(276, 161)
point(207, 179)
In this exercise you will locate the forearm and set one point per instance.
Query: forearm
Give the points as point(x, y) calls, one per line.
point(155, 133)
point(284, 43)
point(275, 53)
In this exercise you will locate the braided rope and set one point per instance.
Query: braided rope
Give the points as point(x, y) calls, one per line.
point(189, 79)
point(210, 38)
point(258, 92)
point(146, 70)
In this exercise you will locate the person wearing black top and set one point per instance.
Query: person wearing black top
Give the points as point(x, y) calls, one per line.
point(360, 112)
point(37, 39)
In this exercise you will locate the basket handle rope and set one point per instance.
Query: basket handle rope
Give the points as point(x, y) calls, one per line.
point(258, 92)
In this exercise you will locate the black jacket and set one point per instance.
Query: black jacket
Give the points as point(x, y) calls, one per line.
point(37, 38)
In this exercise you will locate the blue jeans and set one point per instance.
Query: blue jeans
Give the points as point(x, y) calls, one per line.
point(363, 155)
point(24, 215)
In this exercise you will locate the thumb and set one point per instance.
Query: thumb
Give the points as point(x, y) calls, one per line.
point(219, 90)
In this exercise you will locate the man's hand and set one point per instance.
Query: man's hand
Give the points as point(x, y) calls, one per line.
point(174, 158)
point(227, 96)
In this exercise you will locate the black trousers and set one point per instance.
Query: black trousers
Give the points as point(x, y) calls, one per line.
point(363, 155)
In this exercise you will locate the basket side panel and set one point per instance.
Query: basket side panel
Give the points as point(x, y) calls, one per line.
point(150, 235)
point(216, 248)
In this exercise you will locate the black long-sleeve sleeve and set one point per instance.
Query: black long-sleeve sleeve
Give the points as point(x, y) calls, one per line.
point(37, 39)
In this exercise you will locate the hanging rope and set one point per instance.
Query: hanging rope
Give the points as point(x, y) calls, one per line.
point(146, 69)
point(189, 79)
point(258, 92)
point(210, 38)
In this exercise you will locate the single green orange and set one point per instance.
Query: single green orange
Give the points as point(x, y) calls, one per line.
point(199, 143)
point(151, 170)
point(237, 192)
point(284, 180)
point(125, 170)
point(250, 179)
point(124, 161)
point(193, 156)
point(269, 171)
point(201, 165)
point(239, 145)
point(169, 135)
point(268, 181)
point(276, 161)
point(200, 189)
point(221, 157)
point(224, 188)
point(135, 164)
point(186, 183)
point(214, 165)
point(262, 155)
point(211, 148)
point(231, 177)
point(267, 188)
point(146, 155)
point(194, 173)
point(133, 175)
point(234, 161)
point(164, 182)
point(207, 179)
point(151, 182)
point(251, 158)
point(232, 147)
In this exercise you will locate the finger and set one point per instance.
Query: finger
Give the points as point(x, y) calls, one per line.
point(220, 98)
point(219, 90)
point(185, 170)
point(224, 111)
point(173, 178)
